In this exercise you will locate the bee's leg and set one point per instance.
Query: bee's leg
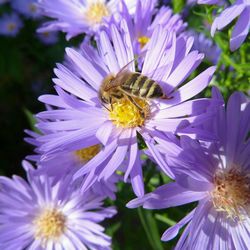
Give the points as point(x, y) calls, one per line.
point(105, 107)
point(164, 97)
point(131, 99)
point(111, 103)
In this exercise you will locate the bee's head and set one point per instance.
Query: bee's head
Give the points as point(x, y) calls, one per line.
point(104, 92)
point(108, 80)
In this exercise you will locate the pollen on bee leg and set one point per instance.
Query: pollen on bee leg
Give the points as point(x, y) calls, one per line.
point(125, 114)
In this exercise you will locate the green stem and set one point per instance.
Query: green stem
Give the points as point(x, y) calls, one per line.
point(230, 62)
point(150, 228)
point(165, 220)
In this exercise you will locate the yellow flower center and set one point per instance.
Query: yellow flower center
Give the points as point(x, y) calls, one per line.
point(143, 40)
point(11, 26)
point(86, 154)
point(232, 193)
point(96, 12)
point(50, 225)
point(126, 114)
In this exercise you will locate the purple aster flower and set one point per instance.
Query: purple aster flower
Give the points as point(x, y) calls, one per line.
point(240, 9)
point(82, 119)
point(67, 163)
point(205, 45)
point(217, 175)
point(10, 24)
point(146, 18)
point(77, 17)
point(40, 215)
point(28, 8)
point(48, 38)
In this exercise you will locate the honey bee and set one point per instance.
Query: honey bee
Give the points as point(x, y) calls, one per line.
point(130, 85)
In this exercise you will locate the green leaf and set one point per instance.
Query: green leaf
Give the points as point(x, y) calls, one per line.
point(178, 5)
point(151, 228)
point(112, 229)
point(165, 219)
point(31, 120)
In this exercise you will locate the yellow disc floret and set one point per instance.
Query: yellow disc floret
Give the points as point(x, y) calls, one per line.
point(96, 12)
point(49, 225)
point(86, 154)
point(125, 114)
point(232, 193)
point(143, 40)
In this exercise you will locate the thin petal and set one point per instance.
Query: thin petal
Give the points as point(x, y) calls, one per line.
point(118, 156)
point(168, 195)
point(240, 30)
point(71, 83)
point(226, 17)
point(108, 54)
point(195, 86)
point(137, 178)
point(233, 125)
point(97, 160)
point(89, 72)
point(174, 230)
point(186, 66)
point(159, 159)
point(133, 152)
point(103, 133)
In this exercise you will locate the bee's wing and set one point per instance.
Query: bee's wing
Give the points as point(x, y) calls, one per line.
point(118, 80)
point(124, 68)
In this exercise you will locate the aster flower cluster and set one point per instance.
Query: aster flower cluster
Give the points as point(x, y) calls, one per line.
point(11, 22)
point(217, 176)
point(43, 214)
point(130, 95)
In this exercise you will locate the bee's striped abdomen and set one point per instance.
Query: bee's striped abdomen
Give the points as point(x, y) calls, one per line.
point(155, 91)
point(145, 89)
point(137, 86)
point(141, 86)
point(129, 83)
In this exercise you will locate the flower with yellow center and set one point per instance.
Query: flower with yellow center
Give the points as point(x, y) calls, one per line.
point(49, 213)
point(232, 193)
point(33, 8)
point(96, 12)
point(143, 40)
point(86, 154)
point(125, 114)
point(49, 225)
point(11, 26)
